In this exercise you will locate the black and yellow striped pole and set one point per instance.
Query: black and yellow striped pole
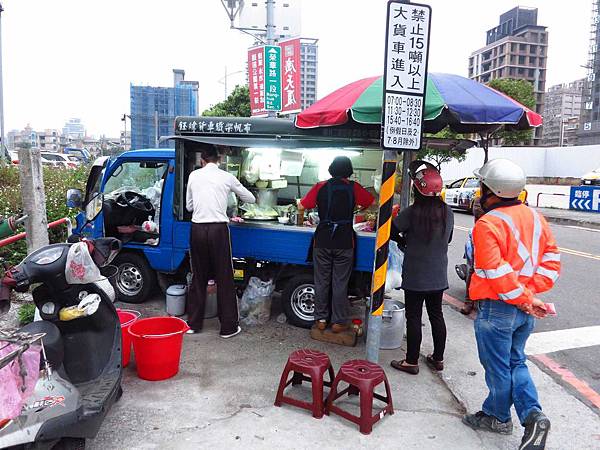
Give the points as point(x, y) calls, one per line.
point(384, 223)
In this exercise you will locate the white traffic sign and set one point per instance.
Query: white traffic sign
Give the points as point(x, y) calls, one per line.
point(405, 74)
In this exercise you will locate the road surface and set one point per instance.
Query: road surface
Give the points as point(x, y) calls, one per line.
point(569, 344)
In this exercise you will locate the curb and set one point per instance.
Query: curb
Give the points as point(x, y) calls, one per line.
point(573, 222)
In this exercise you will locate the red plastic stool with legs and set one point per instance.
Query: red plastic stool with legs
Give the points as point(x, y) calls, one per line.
point(362, 377)
point(306, 365)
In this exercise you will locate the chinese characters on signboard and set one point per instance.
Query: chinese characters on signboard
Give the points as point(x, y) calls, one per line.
point(585, 198)
point(290, 76)
point(272, 78)
point(213, 126)
point(405, 76)
point(256, 80)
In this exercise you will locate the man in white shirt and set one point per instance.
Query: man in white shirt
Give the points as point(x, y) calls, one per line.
point(210, 247)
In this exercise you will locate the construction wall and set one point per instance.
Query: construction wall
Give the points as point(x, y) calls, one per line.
point(544, 164)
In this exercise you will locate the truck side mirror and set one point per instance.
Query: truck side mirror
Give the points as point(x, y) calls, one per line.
point(74, 198)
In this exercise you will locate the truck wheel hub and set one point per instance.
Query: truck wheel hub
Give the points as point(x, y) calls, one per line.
point(130, 281)
point(303, 302)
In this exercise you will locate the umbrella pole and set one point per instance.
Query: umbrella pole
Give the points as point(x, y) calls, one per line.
point(384, 222)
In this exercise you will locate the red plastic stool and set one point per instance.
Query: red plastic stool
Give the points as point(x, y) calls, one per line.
point(307, 365)
point(362, 377)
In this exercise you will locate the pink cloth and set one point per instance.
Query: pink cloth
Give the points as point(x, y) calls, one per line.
point(11, 384)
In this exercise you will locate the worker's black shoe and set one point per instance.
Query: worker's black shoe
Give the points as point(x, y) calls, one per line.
point(537, 427)
point(481, 421)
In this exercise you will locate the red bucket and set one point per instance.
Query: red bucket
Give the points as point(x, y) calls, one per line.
point(157, 344)
point(126, 317)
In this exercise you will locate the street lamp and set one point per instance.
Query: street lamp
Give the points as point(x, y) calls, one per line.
point(224, 79)
point(124, 120)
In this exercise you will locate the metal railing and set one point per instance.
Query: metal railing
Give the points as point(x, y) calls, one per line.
point(17, 237)
point(537, 200)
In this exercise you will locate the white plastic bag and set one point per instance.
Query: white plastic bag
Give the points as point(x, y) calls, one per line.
point(394, 272)
point(255, 306)
point(81, 268)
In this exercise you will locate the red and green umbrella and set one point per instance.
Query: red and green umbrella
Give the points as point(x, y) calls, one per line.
point(463, 104)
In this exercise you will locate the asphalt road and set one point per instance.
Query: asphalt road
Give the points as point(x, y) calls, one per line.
point(576, 296)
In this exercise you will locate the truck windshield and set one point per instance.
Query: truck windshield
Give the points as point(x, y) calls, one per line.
point(135, 176)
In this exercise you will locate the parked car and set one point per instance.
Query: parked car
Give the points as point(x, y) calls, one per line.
point(591, 178)
point(14, 157)
point(461, 193)
point(59, 160)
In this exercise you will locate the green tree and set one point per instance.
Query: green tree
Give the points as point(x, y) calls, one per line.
point(521, 91)
point(237, 104)
point(440, 156)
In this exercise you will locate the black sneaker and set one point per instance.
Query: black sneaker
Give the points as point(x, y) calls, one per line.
point(481, 421)
point(537, 427)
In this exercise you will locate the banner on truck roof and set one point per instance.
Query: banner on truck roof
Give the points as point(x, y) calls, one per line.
point(290, 76)
point(256, 80)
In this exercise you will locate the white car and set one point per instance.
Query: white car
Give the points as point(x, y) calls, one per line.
point(58, 160)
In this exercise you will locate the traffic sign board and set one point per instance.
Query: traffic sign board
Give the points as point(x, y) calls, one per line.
point(272, 78)
point(585, 198)
point(405, 74)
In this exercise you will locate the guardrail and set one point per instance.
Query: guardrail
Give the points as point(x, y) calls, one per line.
point(17, 237)
point(537, 200)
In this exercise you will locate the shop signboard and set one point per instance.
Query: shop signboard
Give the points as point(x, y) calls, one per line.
point(290, 76)
point(405, 74)
point(256, 80)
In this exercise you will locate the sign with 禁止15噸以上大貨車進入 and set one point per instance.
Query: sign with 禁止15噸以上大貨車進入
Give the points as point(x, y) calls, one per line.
point(585, 198)
point(405, 74)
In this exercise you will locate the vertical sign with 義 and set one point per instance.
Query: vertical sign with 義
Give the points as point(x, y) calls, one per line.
point(272, 78)
point(405, 74)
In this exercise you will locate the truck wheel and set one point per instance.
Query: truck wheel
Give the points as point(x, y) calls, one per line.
point(298, 299)
point(135, 279)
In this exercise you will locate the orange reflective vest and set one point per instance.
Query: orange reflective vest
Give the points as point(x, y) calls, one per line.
point(516, 256)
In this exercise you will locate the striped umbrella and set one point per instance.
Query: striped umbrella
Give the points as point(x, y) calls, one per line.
point(451, 100)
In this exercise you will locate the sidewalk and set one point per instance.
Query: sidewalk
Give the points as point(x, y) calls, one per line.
point(574, 425)
point(573, 218)
point(223, 398)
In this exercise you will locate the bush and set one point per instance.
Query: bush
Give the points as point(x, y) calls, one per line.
point(26, 313)
point(56, 183)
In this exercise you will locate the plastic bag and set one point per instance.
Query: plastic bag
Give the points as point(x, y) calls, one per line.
point(86, 307)
point(13, 391)
point(255, 305)
point(80, 268)
point(394, 272)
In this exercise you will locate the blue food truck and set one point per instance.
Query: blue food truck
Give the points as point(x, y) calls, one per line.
point(139, 197)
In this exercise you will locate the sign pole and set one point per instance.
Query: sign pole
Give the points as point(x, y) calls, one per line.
point(404, 80)
point(270, 5)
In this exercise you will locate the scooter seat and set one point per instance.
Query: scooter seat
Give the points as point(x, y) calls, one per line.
point(53, 343)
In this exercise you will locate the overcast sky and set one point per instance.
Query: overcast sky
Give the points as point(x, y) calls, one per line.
point(76, 58)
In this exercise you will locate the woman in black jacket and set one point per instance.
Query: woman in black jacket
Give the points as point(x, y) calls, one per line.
point(426, 228)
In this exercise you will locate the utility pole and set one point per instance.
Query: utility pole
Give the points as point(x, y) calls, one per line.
point(3, 143)
point(33, 196)
point(155, 129)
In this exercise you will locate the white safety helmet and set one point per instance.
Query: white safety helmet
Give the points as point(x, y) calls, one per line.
point(503, 177)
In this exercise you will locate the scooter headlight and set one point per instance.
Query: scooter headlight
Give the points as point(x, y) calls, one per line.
point(47, 256)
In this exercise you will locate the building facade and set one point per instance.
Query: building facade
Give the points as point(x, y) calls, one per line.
point(74, 129)
point(589, 131)
point(517, 48)
point(309, 63)
point(562, 110)
point(153, 110)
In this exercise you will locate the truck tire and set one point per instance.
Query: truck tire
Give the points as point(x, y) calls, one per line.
point(135, 280)
point(298, 300)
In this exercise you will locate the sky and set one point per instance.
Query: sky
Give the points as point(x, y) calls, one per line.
point(77, 58)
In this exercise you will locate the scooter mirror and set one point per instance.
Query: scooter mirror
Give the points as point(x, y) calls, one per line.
point(74, 198)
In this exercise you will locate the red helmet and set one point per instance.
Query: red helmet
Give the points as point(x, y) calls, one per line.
point(426, 179)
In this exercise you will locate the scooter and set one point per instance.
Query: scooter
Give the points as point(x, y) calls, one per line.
point(80, 373)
